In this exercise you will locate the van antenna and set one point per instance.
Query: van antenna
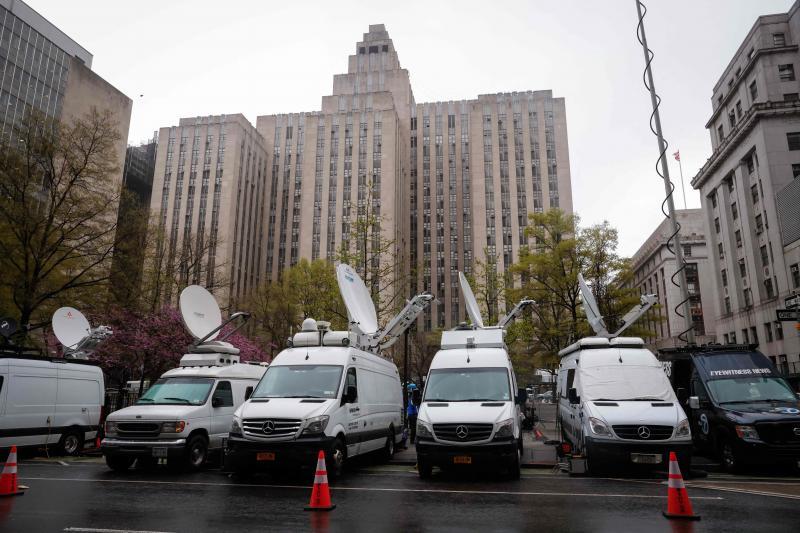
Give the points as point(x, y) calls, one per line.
point(595, 319)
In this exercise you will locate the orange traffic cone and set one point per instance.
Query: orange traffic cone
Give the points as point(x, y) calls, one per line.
point(678, 504)
point(8, 479)
point(320, 494)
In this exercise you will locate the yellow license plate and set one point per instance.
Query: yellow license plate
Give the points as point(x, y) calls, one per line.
point(462, 460)
point(265, 456)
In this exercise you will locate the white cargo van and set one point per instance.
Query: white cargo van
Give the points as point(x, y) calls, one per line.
point(46, 401)
point(470, 412)
point(183, 416)
point(330, 390)
point(616, 406)
point(186, 413)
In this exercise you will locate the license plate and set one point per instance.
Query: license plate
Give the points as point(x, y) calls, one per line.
point(646, 458)
point(265, 456)
point(159, 452)
point(462, 460)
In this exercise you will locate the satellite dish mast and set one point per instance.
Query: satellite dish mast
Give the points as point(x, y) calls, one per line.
point(595, 319)
point(363, 318)
point(73, 331)
point(474, 311)
point(202, 318)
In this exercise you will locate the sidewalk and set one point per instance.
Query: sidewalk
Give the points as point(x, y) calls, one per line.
point(535, 453)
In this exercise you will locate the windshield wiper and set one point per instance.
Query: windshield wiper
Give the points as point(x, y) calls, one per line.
point(482, 400)
point(179, 400)
point(302, 396)
point(642, 399)
point(756, 400)
point(144, 400)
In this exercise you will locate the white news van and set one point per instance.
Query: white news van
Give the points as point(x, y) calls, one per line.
point(330, 390)
point(49, 401)
point(616, 406)
point(183, 416)
point(187, 412)
point(470, 412)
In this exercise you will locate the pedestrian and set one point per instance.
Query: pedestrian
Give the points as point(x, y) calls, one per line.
point(412, 410)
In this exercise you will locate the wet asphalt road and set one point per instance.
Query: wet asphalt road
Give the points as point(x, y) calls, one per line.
point(86, 496)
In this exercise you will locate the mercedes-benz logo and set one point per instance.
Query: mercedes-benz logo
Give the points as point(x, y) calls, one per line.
point(797, 431)
point(268, 427)
point(462, 432)
point(643, 432)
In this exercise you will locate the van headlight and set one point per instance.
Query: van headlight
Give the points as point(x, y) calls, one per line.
point(682, 430)
point(316, 425)
point(173, 427)
point(424, 430)
point(747, 433)
point(236, 426)
point(111, 427)
point(599, 427)
point(505, 429)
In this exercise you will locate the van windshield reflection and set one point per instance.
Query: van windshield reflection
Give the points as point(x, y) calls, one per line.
point(300, 381)
point(468, 385)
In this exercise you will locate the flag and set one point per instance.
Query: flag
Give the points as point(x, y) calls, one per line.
point(677, 155)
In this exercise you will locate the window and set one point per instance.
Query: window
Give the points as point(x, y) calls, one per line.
point(754, 334)
point(738, 236)
point(727, 309)
point(351, 381)
point(734, 210)
point(745, 336)
point(742, 268)
point(748, 161)
point(224, 393)
point(714, 199)
point(753, 91)
point(570, 379)
point(716, 224)
point(721, 133)
point(739, 109)
point(769, 288)
point(778, 39)
point(768, 331)
point(748, 302)
point(721, 252)
point(733, 337)
point(754, 193)
point(687, 250)
point(759, 224)
point(793, 139)
point(778, 331)
point(795, 170)
point(786, 72)
point(795, 273)
point(724, 274)
point(725, 338)
point(790, 97)
point(732, 119)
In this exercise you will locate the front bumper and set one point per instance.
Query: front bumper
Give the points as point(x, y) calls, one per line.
point(492, 454)
point(764, 454)
point(613, 455)
point(242, 454)
point(114, 446)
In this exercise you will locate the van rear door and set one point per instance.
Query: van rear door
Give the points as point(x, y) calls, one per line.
point(78, 401)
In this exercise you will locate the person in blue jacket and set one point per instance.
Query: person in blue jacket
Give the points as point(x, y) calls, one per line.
point(412, 409)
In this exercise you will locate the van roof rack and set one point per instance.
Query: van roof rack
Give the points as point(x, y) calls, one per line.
point(683, 352)
point(34, 354)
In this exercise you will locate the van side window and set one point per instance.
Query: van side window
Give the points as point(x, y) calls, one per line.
point(224, 393)
point(351, 381)
point(570, 381)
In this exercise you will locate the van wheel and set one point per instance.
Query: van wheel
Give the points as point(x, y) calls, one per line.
point(731, 462)
point(338, 457)
point(515, 466)
point(119, 463)
point(71, 442)
point(196, 452)
point(424, 469)
point(388, 449)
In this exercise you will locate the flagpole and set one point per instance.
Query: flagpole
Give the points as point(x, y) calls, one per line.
point(680, 168)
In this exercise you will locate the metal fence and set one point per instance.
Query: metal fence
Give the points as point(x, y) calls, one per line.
point(116, 399)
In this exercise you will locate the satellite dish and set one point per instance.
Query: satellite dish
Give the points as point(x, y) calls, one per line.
point(470, 302)
point(590, 307)
point(199, 312)
point(70, 326)
point(8, 326)
point(357, 299)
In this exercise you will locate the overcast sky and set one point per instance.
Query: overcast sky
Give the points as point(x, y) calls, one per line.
point(189, 58)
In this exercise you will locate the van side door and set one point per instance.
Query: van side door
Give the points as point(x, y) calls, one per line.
point(222, 408)
point(354, 419)
point(30, 404)
point(570, 418)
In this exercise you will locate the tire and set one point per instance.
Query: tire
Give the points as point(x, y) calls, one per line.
point(337, 459)
point(196, 453)
point(424, 469)
point(388, 449)
point(730, 460)
point(71, 442)
point(514, 469)
point(119, 463)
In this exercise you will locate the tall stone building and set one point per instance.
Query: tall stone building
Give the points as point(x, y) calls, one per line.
point(751, 192)
point(654, 265)
point(439, 175)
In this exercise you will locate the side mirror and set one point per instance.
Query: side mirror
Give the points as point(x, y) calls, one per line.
point(350, 395)
point(522, 396)
point(682, 395)
point(216, 401)
point(573, 397)
point(694, 402)
point(248, 392)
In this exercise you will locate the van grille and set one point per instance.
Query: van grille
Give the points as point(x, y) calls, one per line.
point(637, 432)
point(277, 427)
point(779, 432)
point(138, 429)
point(456, 432)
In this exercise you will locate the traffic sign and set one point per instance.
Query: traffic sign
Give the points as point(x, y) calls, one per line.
point(788, 315)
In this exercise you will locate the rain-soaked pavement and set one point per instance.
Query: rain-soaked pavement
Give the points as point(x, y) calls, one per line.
point(83, 495)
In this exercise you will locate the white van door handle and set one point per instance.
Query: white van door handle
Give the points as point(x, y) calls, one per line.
point(83, 409)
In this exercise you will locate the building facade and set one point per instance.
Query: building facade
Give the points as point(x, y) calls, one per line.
point(750, 189)
point(450, 181)
point(653, 267)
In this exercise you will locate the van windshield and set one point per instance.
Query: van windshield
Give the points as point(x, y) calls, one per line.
point(468, 385)
point(178, 391)
point(750, 389)
point(624, 382)
point(299, 381)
